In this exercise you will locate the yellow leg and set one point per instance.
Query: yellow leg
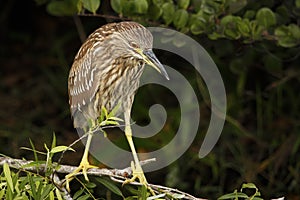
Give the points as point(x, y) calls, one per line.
point(84, 164)
point(137, 171)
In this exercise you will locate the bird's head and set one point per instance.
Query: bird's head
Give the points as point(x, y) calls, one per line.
point(138, 42)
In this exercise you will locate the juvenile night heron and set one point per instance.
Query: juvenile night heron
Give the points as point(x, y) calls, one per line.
point(105, 74)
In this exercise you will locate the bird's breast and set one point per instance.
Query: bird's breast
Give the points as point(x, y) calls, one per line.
point(119, 85)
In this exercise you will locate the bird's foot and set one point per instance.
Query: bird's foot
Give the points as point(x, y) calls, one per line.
point(83, 167)
point(137, 173)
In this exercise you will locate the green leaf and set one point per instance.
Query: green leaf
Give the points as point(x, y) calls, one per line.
point(132, 7)
point(249, 14)
point(184, 4)
point(114, 111)
point(168, 12)
point(229, 25)
point(244, 27)
point(51, 195)
point(256, 30)
point(8, 177)
point(142, 192)
point(236, 5)
point(90, 185)
point(110, 186)
point(84, 197)
point(91, 5)
point(154, 12)
point(34, 164)
point(265, 17)
point(62, 8)
point(33, 149)
point(249, 186)
point(61, 149)
point(53, 141)
point(198, 25)
point(180, 18)
point(116, 6)
point(141, 6)
point(234, 195)
point(46, 191)
point(78, 193)
point(288, 36)
point(58, 194)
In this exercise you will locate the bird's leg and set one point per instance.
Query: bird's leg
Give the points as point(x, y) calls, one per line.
point(137, 171)
point(84, 164)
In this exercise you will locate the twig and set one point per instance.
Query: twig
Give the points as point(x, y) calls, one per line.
point(80, 28)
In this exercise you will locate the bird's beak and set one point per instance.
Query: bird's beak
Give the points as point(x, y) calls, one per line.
point(151, 60)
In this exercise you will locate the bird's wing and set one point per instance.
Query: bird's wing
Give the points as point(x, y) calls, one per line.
point(82, 79)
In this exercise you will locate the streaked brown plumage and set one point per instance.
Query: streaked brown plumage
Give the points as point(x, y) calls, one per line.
point(106, 73)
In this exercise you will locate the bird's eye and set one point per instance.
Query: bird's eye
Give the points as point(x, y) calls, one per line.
point(134, 45)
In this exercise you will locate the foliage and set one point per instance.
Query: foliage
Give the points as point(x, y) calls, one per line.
point(217, 19)
point(27, 185)
point(242, 195)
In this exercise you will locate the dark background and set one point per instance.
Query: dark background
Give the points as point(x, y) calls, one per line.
point(260, 140)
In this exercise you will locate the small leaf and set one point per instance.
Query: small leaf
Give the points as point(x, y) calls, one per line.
point(58, 194)
point(62, 8)
point(249, 14)
point(61, 149)
point(51, 195)
point(77, 194)
point(46, 190)
point(265, 17)
point(84, 197)
point(184, 4)
point(116, 6)
point(168, 12)
point(244, 27)
point(116, 119)
point(34, 164)
point(90, 185)
point(114, 111)
point(141, 6)
point(181, 17)
point(53, 141)
point(236, 5)
point(91, 5)
point(7, 175)
point(198, 25)
point(110, 186)
point(34, 152)
point(249, 185)
point(154, 12)
point(229, 24)
point(143, 192)
point(288, 36)
point(234, 195)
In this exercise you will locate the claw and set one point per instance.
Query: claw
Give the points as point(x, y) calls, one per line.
point(84, 166)
point(137, 173)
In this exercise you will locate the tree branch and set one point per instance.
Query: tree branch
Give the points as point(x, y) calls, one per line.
point(116, 175)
